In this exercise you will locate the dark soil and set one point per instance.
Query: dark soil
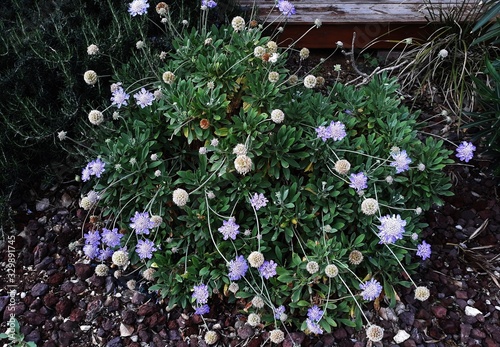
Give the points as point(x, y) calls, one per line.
point(61, 302)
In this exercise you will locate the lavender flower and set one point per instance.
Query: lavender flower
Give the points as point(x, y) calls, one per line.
point(237, 268)
point(208, 3)
point(91, 251)
point(315, 313)
point(203, 309)
point(145, 249)
point(144, 98)
point(465, 151)
point(337, 131)
point(86, 173)
point(391, 228)
point(424, 250)
point(401, 161)
point(119, 98)
point(314, 327)
point(200, 294)
point(138, 7)
point(105, 254)
point(229, 229)
point(370, 289)
point(268, 269)
point(358, 181)
point(141, 223)
point(111, 238)
point(324, 133)
point(92, 238)
point(278, 312)
point(94, 168)
point(286, 7)
point(258, 201)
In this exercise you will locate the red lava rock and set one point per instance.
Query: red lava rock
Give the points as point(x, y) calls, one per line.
point(128, 317)
point(97, 281)
point(107, 324)
point(461, 294)
point(245, 332)
point(340, 333)
point(64, 306)
point(409, 343)
point(144, 336)
point(77, 315)
point(36, 304)
point(50, 300)
point(172, 325)
point(79, 287)
point(477, 334)
point(439, 311)
point(490, 343)
point(328, 340)
point(173, 335)
point(67, 287)
point(138, 298)
point(55, 279)
point(465, 332)
point(34, 318)
point(65, 338)
point(68, 326)
point(449, 327)
point(146, 309)
point(33, 336)
point(83, 271)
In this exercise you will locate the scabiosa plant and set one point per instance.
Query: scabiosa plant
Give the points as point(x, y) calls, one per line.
point(120, 98)
point(286, 7)
point(111, 238)
point(315, 313)
point(391, 228)
point(138, 7)
point(141, 223)
point(401, 161)
point(370, 289)
point(424, 250)
point(145, 249)
point(268, 269)
point(358, 181)
point(258, 200)
point(229, 229)
point(208, 3)
point(237, 268)
point(144, 98)
point(465, 151)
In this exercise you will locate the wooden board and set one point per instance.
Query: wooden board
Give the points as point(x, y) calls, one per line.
point(389, 20)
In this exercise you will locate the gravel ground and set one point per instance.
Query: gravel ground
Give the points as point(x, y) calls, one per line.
point(60, 302)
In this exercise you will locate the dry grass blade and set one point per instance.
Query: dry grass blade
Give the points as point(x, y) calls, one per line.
point(479, 230)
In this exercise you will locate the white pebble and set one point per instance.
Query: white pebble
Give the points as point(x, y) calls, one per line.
point(472, 311)
point(401, 336)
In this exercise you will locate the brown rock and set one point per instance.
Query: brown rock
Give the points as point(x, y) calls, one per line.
point(477, 334)
point(64, 307)
point(56, 279)
point(439, 311)
point(83, 271)
point(146, 309)
point(34, 318)
point(245, 332)
point(50, 300)
point(77, 315)
point(39, 289)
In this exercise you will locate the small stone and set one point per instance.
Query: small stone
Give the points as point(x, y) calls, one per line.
point(42, 205)
point(138, 298)
point(65, 338)
point(339, 333)
point(116, 342)
point(83, 271)
point(39, 289)
point(34, 318)
point(472, 311)
point(128, 317)
point(85, 327)
point(439, 311)
point(461, 294)
point(33, 336)
point(477, 334)
point(401, 336)
point(465, 330)
point(126, 330)
point(68, 325)
point(55, 279)
point(409, 343)
point(63, 307)
point(245, 332)
point(407, 317)
point(146, 309)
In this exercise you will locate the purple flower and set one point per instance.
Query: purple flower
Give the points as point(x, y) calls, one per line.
point(120, 98)
point(401, 161)
point(111, 238)
point(92, 238)
point(370, 289)
point(105, 254)
point(465, 151)
point(237, 268)
point(200, 294)
point(391, 228)
point(424, 250)
point(258, 201)
point(141, 223)
point(337, 131)
point(315, 313)
point(208, 3)
point(268, 269)
point(314, 327)
point(144, 98)
point(358, 181)
point(86, 173)
point(91, 251)
point(229, 229)
point(203, 309)
point(324, 133)
point(138, 7)
point(278, 312)
point(286, 8)
point(145, 249)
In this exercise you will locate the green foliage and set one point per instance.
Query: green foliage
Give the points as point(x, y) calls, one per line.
point(214, 132)
point(14, 335)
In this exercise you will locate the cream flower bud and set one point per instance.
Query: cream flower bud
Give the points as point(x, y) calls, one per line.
point(211, 337)
point(374, 333)
point(342, 166)
point(168, 77)
point(101, 270)
point(369, 206)
point(355, 257)
point(312, 267)
point(304, 53)
point(119, 258)
point(276, 336)
point(238, 23)
point(256, 259)
point(253, 319)
point(180, 197)
point(309, 81)
point(422, 293)
point(277, 116)
point(331, 270)
point(243, 164)
point(90, 77)
point(92, 49)
point(96, 117)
